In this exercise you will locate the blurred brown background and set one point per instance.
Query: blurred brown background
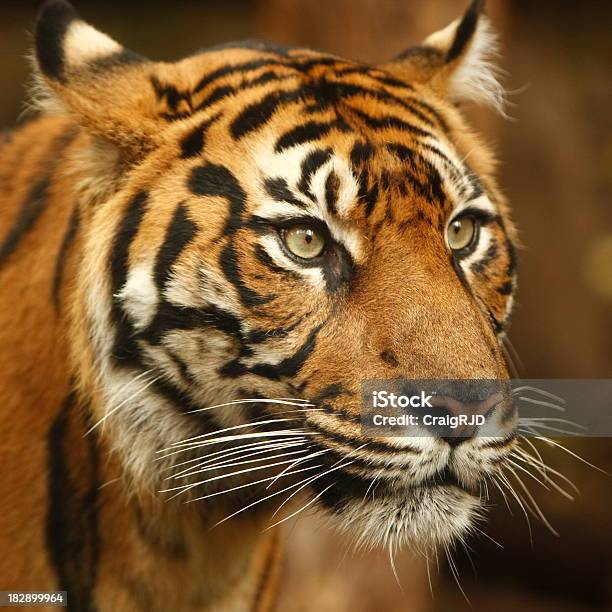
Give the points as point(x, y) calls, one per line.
point(556, 156)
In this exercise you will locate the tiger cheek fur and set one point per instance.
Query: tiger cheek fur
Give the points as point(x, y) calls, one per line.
point(208, 361)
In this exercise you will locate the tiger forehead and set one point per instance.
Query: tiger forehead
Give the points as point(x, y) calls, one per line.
point(321, 134)
point(298, 75)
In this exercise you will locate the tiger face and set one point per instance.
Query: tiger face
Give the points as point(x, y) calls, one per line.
point(265, 229)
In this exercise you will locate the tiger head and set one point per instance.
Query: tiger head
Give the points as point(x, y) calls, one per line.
point(265, 228)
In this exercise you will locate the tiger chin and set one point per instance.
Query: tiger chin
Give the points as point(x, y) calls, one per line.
point(201, 262)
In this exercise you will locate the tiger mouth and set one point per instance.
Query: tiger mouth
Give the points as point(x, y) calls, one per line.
point(446, 478)
point(351, 486)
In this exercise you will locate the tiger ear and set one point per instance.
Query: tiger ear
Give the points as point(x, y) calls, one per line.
point(457, 61)
point(85, 73)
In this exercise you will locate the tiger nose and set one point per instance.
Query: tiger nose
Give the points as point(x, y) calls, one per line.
point(455, 418)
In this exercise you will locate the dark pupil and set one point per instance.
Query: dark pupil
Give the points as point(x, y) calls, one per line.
point(457, 227)
point(308, 236)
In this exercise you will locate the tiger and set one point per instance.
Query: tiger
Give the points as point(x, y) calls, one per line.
point(201, 261)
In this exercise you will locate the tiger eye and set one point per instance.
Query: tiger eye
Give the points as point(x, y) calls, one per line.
point(461, 232)
point(304, 241)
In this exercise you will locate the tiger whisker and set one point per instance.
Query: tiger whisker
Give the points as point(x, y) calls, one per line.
point(213, 478)
point(531, 400)
point(508, 356)
point(250, 484)
point(486, 535)
point(545, 469)
point(121, 404)
point(547, 478)
point(526, 471)
point(533, 447)
point(297, 462)
point(393, 566)
point(534, 504)
point(259, 501)
point(552, 420)
point(242, 451)
point(503, 494)
point(254, 401)
point(540, 391)
point(334, 467)
point(532, 428)
point(228, 464)
point(455, 573)
point(501, 478)
point(376, 476)
point(512, 349)
point(306, 505)
point(193, 439)
point(573, 454)
point(294, 433)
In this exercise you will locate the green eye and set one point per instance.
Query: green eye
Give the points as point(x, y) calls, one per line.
point(461, 232)
point(304, 241)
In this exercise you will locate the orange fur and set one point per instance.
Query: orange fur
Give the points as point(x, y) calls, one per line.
point(70, 181)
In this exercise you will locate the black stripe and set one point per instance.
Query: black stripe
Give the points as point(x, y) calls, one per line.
point(311, 163)
point(370, 199)
point(402, 152)
point(361, 153)
point(180, 233)
point(332, 185)
point(256, 336)
point(353, 442)
point(229, 264)
point(390, 121)
point(478, 267)
point(278, 190)
point(183, 402)
point(306, 132)
point(171, 95)
point(34, 203)
point(307, 63)
point(214, 180)
point(72, 518)
point(431, 188)
point(31, 209)
point(289, 366)
point(262, 255)
point(331, 392)
point(512, 254)
point(193, 143)
point(387, 79)
point(69, 236)
point(416, 160)
point(53, 22)
point(170, 317)
point(125, 348)
point(223, 91)
point(456, 172)
point(348, 90)
point(465, 30)
point(235, 68)
point(217, 94)
point(257, 114)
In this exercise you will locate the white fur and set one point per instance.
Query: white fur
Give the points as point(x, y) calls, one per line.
point(475, 77)
point(84, 43)
point(139, 295)
point(287, 164)
point(421, 518)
